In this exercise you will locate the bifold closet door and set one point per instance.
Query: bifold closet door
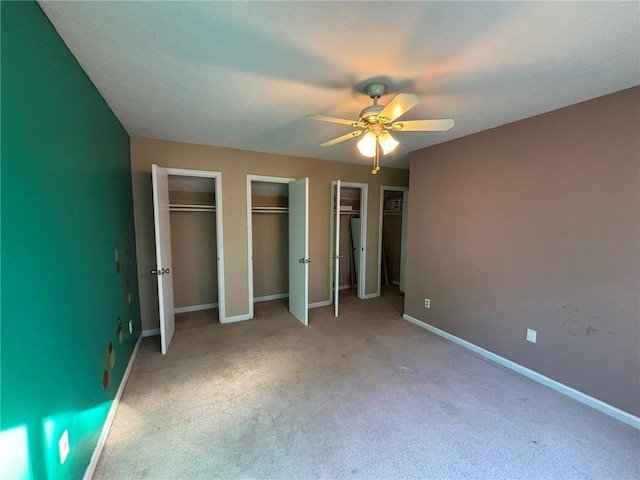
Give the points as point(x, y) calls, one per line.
point(299, 249)
point(162, 226)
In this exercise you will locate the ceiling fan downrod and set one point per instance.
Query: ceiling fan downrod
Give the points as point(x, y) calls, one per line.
point(369, 115)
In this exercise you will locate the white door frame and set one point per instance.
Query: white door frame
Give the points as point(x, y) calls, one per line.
point(217, 177)
point(404, 222)
point(362, 273)
point(255, 178)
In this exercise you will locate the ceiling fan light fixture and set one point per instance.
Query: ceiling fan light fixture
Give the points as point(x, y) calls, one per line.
point(367, 145)
point(387, 142)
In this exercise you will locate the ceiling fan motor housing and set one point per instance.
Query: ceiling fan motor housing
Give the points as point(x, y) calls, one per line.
point(369, 115)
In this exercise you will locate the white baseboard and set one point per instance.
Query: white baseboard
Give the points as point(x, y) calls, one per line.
point(266, 298)
point(371, 295)
point(150, 332)
point(345, 287)
point(237, 318)
point(588, 400)
point(112, 413)
point(324, 303)
point(195, 308)
point(395, 282)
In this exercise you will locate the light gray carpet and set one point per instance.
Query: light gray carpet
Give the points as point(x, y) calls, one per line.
point(367, 395)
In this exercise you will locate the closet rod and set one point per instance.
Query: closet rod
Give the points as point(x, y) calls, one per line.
point(192, 205)
point(270, 209)
point(191, 209)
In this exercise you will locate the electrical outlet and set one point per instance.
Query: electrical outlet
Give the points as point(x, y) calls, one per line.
point(531, 335)
point(130, 326)
point(63, 446)
point(427, 303)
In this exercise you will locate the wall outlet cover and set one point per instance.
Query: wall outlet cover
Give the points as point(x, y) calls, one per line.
point(531, 335)
point(63, 446)
point(427, 303)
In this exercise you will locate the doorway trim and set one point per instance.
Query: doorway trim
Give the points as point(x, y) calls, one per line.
point(217, 177)
point(391, 188)
point(255, 178)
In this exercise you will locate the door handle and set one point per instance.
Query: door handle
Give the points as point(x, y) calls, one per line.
point(160, 271)
point(304, 260)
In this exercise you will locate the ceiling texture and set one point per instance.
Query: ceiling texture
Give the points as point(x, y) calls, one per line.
point(246, 74)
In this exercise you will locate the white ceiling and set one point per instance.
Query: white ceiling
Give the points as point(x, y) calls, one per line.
point(246, 74)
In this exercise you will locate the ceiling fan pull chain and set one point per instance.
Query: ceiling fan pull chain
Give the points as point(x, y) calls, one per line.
point(376, 159)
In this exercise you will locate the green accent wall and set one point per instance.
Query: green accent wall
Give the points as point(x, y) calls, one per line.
point(69, 285)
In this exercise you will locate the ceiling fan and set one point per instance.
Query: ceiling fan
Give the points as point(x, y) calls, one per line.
point(375, 121)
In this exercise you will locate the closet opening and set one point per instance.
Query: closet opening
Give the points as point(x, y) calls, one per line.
point(392, 237)
point(270, 239)
point(192, 216)
point(277, 226)
point(348, 239)
point(187, 213)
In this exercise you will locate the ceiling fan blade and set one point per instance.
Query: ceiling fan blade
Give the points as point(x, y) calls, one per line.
point(400, 104)
point(343, 138)
point(439, 125)
point(343, 121)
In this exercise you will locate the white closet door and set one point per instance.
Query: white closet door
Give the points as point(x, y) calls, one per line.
point(160, 179)
point(336, 248)
point(299, 249)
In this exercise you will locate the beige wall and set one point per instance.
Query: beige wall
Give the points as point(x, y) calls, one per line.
point(269, 201)
point(235, 165)
point(192, 198)
point(535, 225)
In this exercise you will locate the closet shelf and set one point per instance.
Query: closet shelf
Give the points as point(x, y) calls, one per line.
point(391, 213)
point(348, 212)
